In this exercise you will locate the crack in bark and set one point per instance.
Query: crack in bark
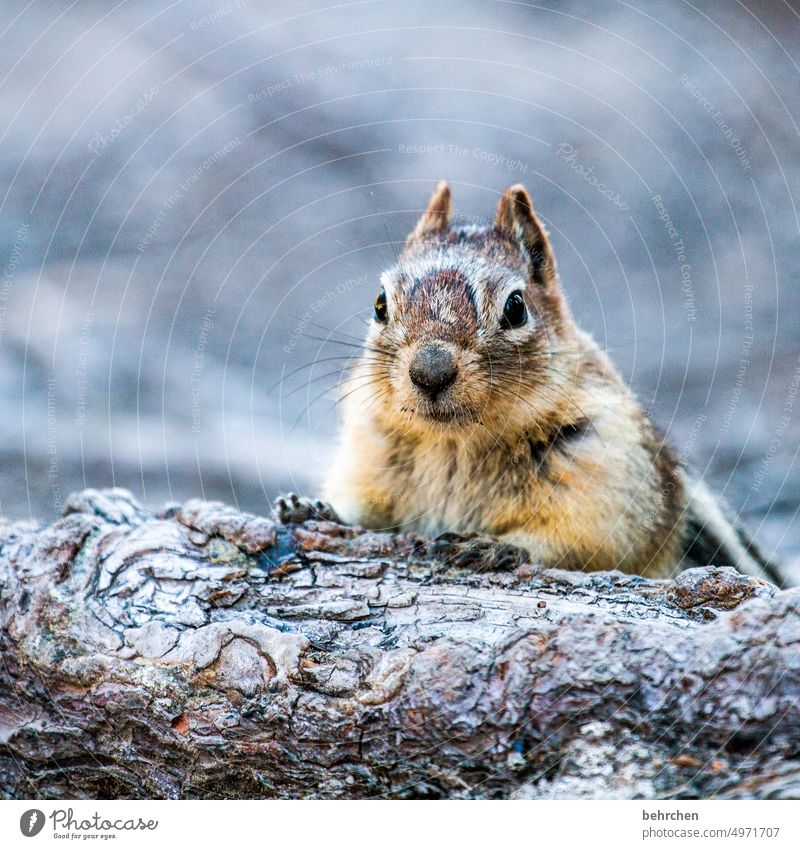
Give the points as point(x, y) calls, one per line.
point(200, 652)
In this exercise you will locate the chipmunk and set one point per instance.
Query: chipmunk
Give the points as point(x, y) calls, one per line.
point(479, 406)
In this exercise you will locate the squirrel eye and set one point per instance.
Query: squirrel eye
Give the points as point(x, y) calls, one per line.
point(514, 312)
point(381, 310)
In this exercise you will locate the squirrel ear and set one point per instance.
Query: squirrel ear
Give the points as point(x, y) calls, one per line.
point(435, 218)
point(516, 218)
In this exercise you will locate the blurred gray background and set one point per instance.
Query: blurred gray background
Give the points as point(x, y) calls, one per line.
point(198, 197)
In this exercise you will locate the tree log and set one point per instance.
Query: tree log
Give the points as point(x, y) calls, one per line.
point(199, 652)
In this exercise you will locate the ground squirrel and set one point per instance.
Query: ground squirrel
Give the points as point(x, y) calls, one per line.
point(479, 406)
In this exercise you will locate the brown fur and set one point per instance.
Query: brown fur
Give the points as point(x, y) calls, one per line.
point(538, 441)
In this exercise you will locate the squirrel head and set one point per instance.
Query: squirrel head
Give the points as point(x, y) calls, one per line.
point(470, 326)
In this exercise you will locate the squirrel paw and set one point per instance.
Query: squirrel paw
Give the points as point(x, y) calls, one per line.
point(467, 551)
point(294, 509)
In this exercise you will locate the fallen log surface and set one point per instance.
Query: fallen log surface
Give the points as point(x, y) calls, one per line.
point(202, 652)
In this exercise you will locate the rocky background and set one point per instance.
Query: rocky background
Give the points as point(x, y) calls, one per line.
point(196, 197)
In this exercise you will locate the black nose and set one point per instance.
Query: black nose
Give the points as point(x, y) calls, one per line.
point(432, 369)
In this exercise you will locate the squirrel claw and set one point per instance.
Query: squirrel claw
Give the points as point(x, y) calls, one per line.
point(293, 509)
point(468, 551)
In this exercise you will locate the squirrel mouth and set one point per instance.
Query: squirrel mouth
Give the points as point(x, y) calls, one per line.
point(445, 414)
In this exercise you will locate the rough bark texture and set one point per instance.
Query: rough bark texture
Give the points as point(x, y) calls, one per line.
point(201, 652)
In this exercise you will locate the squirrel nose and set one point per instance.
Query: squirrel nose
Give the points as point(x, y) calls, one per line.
point(432, 369)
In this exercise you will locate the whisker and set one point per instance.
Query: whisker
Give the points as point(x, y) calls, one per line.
point(390, 240)
point(368, 399)
point(541, 389)
point(328, 340)
point(311, 364)
point(348, 361)
point(330, 330)
point(367, 382)
point(316, 379)
point(360, 347)
point(368, 378)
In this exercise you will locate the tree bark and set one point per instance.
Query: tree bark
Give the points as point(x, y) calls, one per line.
point(201, 652)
